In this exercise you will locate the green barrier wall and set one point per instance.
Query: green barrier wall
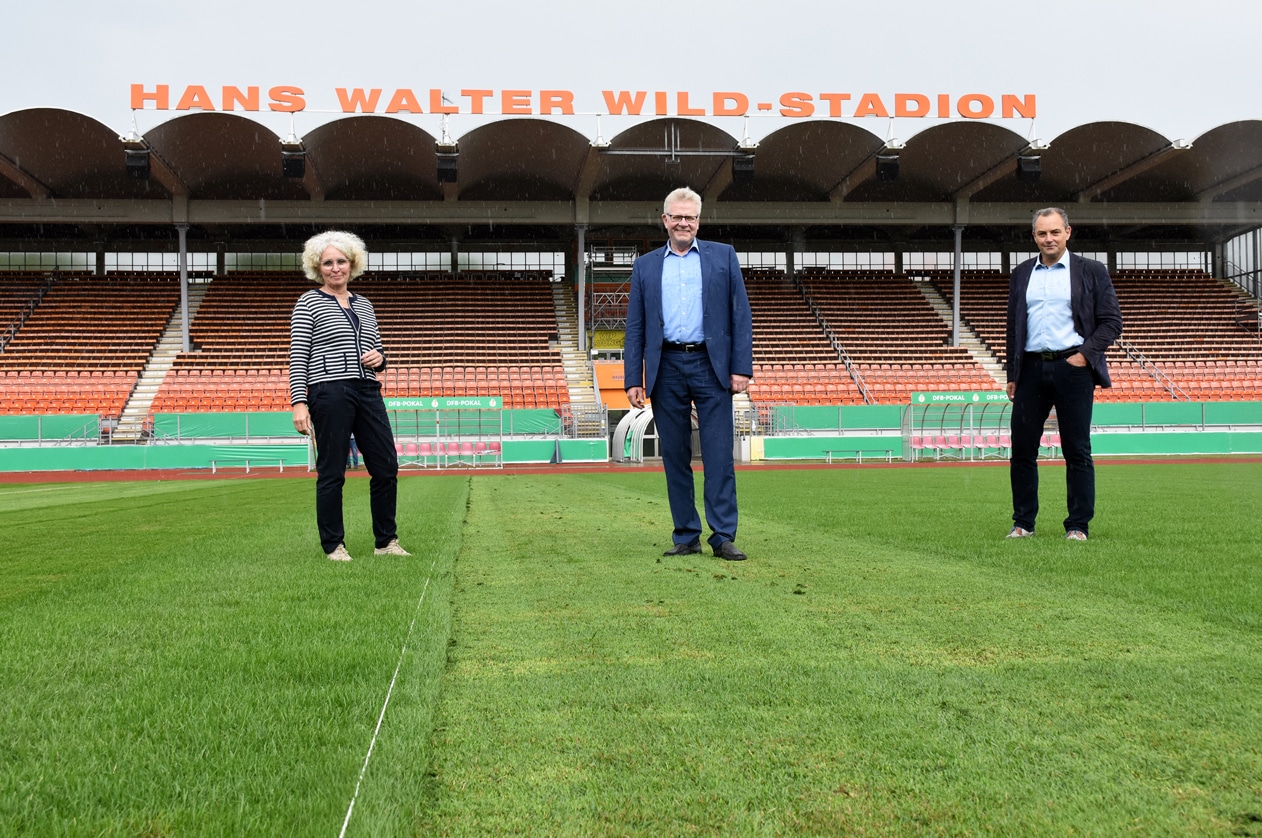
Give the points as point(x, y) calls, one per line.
point(843, 447)
point(583, 450)
point(840, 417)
point(1218, 439)
point(53, 427)
point(411, 423)
point(1177, 442)
point(420, 424)
point(123, 457)
point(529, 451)
point(1177, 413)
point(1117, 414)
point(235, 425)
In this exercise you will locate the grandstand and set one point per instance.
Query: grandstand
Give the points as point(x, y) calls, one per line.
point(506, 277)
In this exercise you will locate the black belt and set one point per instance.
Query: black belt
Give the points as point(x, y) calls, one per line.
point(667, 346)
point(1057, 355)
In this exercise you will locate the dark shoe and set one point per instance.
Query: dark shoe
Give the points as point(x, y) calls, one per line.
point(728, 550)
point(684, 549)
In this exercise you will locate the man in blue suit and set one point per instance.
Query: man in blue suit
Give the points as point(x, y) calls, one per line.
point(1063, 315)
point(690, 340)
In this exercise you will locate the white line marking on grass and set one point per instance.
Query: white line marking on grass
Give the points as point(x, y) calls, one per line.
point(33, 491)
point(386, 704)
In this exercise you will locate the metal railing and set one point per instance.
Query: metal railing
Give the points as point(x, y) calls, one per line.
point(1151, 368)
point(836, 344)
point(20, 320)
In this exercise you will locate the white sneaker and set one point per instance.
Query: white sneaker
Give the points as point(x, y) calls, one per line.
point(339, 554)
point(1019, 532)
point(1076, 535)
point(391, 549)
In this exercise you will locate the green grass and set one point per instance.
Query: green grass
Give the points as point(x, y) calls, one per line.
point(180, 659)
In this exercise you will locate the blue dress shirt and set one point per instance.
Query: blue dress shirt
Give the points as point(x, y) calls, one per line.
point(1049, 316)
point(682, 315)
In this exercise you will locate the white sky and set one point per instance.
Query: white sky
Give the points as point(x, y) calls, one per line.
point(1178, 68)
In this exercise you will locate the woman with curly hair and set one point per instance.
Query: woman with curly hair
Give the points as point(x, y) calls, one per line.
point(335, 353)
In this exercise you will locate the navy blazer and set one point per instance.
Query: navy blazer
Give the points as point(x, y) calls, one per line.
point(729, 328)
point(1097, 316)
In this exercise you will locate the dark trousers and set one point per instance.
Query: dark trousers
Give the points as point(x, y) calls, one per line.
point(338, 409)
point(685, 379)
point(1042, 385)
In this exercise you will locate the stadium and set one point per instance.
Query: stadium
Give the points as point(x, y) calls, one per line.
point(180, 662)
point(877, 270)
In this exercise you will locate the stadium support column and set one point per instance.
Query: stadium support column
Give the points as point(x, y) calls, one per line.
point(182, 229)
point(581, 284)
point(797, 244)
point(958, 229)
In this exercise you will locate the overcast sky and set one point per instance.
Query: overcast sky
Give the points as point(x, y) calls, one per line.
point(1178, 68)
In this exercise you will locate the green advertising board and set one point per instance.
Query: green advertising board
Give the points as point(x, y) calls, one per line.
point(959, 397)
point(446, 403)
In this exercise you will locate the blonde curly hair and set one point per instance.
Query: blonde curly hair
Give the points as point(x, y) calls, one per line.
point(351, 246)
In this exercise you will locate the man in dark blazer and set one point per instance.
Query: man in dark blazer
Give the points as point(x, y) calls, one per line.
point(690, 340)
point(1063, 315)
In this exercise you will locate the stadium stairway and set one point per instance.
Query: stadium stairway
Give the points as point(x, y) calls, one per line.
point(577, 365)
point(969, 340)
point(131, 424)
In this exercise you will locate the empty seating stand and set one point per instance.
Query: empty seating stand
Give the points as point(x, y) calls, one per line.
point(895, 340)
point(81, 345)
point(490, 334)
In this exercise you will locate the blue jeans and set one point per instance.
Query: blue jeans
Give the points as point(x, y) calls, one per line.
point(338, 409)
point(1071, 390)
point(685, 379)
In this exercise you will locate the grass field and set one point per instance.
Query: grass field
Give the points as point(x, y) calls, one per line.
point(178, 658)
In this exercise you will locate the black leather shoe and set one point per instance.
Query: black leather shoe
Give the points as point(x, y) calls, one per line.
point(684, 549)
point(728, 550)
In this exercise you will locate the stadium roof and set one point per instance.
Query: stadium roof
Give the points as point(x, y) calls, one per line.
point(63, 179)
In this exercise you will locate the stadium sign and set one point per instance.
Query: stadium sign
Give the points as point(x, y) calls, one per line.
point(959, 397)
point(656, 103)
point(456, 403)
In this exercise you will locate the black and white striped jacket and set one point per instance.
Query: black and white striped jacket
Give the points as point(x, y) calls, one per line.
point(324, 343)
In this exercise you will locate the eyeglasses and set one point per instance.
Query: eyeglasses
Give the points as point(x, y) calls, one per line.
point(682, 219)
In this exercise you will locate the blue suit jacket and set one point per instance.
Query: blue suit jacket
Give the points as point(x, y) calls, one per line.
point(1097, 316)
point(729, 328)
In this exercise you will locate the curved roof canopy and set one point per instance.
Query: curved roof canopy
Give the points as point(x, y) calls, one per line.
point(64, 175)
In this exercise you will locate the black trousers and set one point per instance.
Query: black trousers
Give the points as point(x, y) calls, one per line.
point(339, 409)
point(1045, 384)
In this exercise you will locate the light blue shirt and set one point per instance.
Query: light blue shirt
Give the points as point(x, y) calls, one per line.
point(1049, 324)
point(682, 314)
